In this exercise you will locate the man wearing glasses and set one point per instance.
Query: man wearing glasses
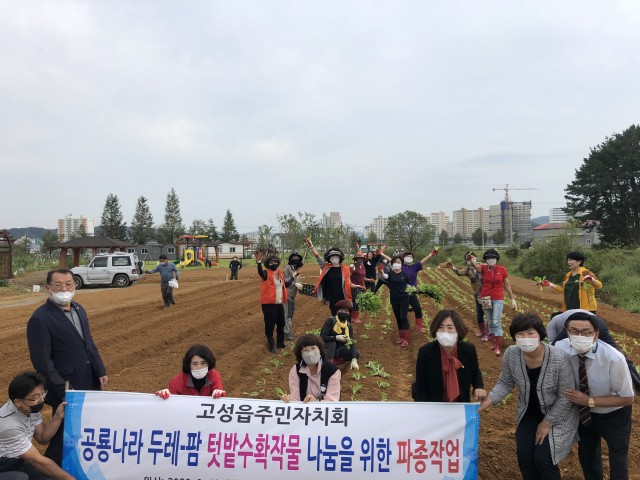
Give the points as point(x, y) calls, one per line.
point(604, 395)
point(20, 421)
point(62, 349)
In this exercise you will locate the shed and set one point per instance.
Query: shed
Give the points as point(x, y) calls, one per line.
point(95, 243)
point(6, 251)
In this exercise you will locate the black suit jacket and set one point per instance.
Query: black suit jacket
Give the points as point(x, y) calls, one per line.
point(60, 354)
point(428, 386)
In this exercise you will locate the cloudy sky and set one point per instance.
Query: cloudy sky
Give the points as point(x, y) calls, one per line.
point(268, 107)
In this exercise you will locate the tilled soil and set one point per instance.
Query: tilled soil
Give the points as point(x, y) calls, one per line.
point(142, 344)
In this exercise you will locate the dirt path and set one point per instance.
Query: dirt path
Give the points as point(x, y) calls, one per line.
point(142, 344)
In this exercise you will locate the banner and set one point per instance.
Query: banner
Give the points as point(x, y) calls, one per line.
point(138, 436)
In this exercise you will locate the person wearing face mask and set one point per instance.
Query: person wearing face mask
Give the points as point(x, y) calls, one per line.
point(412, 269)
point(398, 281)
point(578, 286)
point(358, 274)
point(338, 337)
point(62, 348)
point(495, 280)
point(447, 368)
point(198, 376)
point(547, 421)
point(476, 285)
point(334, 281)
point(20, 421)
point(370, 270)
point(167, 273)
point(273, 296)
point(234, 267)
point(603, 392)
point(312, 378)
point(291, 272)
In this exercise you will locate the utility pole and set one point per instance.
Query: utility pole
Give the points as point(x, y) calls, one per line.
point(508, 215)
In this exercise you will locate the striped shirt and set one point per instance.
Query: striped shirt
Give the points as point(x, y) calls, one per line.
point(16, 430)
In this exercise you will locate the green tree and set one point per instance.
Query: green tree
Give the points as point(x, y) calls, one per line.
point(291, 231)
point(372, 239)
point(443, 238)
point(498, 237)
point(265, 238)
point(142, 223)
point(172, 228)
point(312, 229)
point(409, 230)
point(229, 232)
point(49, 239)
point(457, 239)
point(111, 224)
point(606, 189)
point(198, 227)
point(479, 237)
point(212, 231)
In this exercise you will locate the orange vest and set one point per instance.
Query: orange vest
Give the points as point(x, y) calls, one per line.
point(346, 281)
point(268, 288)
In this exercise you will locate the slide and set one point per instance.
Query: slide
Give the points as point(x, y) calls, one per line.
point(188, 258)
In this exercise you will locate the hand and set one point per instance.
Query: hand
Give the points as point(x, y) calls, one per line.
point(542, 431)
point(514, 305)
point(480, 394)
point(285, 398)
point(59, 415)
point(258, 256)
point(103, 381)
point(354, 364)
point(307, 242)
point(434, 252)
point(588, 278)
point(298, 285)
point(309, 399)
point(577, 397)
point(450, 265)
point(486, 403)
point(341, 338)
point(217, 393)
point(352, 266)
point(295, 274)
point(164, 393)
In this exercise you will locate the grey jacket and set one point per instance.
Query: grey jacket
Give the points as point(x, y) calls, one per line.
point(166, 271)
point(556, 376)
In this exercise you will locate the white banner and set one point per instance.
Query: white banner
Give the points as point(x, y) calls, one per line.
point(137, 436)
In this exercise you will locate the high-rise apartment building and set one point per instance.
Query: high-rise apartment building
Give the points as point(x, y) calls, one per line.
point(332, 220)
point(377, 227)
point(70, 226)
point(440, 221)
point(465, 222)
point(511, 219)
point(558, 215)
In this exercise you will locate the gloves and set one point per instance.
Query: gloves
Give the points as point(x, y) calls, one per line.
point(298, 285)
point(217, 393)
point(164, 393)
point(514, 305)
point(341, 338)
point(354, 364)
point(353, 267)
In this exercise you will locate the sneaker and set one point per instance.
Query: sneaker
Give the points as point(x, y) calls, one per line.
point(289, 336)
point(282, 346)
point(273, 349)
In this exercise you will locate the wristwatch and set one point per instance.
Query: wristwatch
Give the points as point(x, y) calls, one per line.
point(592, 403)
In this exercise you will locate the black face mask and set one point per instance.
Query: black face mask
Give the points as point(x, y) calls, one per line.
point(343, 316)
point(37, 408)
point(273, 267)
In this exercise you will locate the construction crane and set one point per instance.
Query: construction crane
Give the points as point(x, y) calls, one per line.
point(508, 215)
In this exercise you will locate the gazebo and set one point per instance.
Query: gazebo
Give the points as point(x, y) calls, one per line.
point(77, 244)
point(6, 259)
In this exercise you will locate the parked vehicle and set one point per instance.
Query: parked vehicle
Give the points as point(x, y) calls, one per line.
point(119, 269)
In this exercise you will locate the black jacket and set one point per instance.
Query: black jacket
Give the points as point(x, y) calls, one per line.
point(428, 386)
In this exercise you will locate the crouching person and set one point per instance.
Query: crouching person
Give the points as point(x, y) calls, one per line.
point(337, 335)
point(20, 421)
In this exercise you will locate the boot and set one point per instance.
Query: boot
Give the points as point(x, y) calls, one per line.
point(485, 332)
point(480, 333)
point(420, 326)
point(400, 337)
point(355, 317)
point(498, 340)
point(492, 341)
point(288, 329)
point(272, 345)
point(405, 339)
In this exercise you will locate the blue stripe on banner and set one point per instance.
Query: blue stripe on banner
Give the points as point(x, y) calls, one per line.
point(470, 447)
point(72, 428)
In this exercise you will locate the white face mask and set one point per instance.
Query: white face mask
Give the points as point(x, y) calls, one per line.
point(200, 373)
point(408, 260)
point(62, 298)
point(446, 339)
point(335, 260)
point(581, 344)
point(527, 344)
point(311, 357)
point(492, 262)
point(396, 267)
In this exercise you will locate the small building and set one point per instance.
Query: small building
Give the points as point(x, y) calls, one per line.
point(152, 251)
point(228, 250)
point(6, 255)
point(581, 238)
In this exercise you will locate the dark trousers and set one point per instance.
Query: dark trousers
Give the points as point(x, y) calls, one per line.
point(340, 350)
point(615, 429)
point(354, 297)
point(400, 310)
point(534, 460)
point(234, 274)
point(167, 294)
point(414, 301)
point(479, 311)
point(18, 469)
point(274, 317)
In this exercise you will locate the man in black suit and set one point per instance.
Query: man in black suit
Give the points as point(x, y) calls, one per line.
point(62, 349)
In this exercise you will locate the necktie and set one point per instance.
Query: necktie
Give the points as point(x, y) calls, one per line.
point(585, 412)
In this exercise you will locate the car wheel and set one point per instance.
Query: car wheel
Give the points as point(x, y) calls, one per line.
point(120, 281)
point(78, 281)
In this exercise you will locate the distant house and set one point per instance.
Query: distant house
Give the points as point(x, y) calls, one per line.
point(151, 251)
point(229, 249)
point(581, 238)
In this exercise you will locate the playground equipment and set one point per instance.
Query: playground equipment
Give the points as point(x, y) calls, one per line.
point(193, 255)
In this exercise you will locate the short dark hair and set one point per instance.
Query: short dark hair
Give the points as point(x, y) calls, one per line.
point(525, 321)
point(583, 316)
point(162, 257)
point(441, 316)
point(408, 253)
point(397, 257)
point(308, 340)
point(24, 383)
point(61, 271)
point(577, 256)
point(201, 351)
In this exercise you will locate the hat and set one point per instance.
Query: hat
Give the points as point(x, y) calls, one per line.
point(491, 253)
point(270, 258)
point(358, 255)
point(334, 251)
point(343, 304)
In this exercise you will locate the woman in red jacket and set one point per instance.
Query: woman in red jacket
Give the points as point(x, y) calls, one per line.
point(199, 376)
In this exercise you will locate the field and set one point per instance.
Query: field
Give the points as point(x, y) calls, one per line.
point(142, 344)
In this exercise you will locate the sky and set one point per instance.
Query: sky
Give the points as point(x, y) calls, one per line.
point(272, 107)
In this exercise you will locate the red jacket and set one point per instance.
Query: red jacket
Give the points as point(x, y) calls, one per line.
point(182, 384)
point(346, 281)
point(268, 288)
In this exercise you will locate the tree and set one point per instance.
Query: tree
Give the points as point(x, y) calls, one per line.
point(265, 239)
point(498, 237)
point(479, 237)
point(409, 230)
point(229, 232)
point(457, 239)
point(198, 227)
point(606, 190)
point(212, 231)
point(142, 223)
point(111, 224)
point(443, 238)
point(172, 228)
point(49, 239)
point(291, 231)
point(372, 239)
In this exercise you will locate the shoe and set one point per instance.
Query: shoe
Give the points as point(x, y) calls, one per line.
point(485, 332)
point(282, 345)
point(273, 349)
point(492, 341)
point(405, 339)
point(399, 339)
point(355, 318)
point(420, 326)
point(289, 336)
point(498, 341)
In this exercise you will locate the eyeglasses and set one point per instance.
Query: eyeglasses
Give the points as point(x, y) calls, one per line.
point(58, 286)
point(39, 397)
point(582, 333)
